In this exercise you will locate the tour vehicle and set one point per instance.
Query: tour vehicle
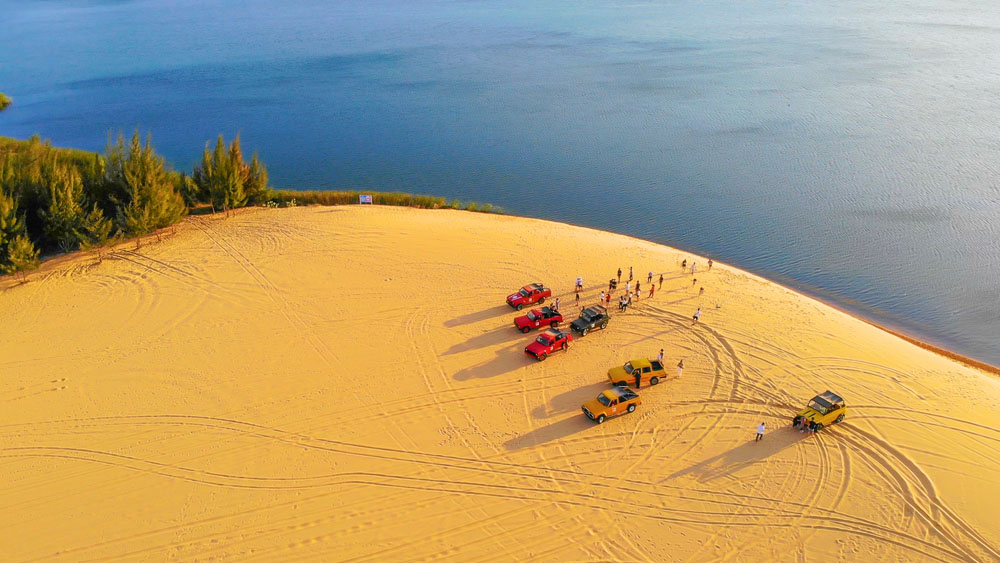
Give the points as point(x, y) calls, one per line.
point(591, 318)
point(650, 371)
point(823, 410)
point(547, 342)
point(546, 316)
point(611, 402)
point(531, 293)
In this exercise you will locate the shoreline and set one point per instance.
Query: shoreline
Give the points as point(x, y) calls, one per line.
point(8, 281)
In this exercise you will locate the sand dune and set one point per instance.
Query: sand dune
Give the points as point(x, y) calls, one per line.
point(346, 384)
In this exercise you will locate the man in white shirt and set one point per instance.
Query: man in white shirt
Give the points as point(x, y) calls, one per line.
point(760, 432)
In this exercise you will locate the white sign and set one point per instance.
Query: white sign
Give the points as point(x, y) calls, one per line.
point(366, 199)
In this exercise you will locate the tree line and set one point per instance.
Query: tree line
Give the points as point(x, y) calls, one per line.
point(55, 199)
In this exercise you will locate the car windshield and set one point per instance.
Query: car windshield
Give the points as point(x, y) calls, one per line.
point(628, 367)
point(531, 316)
point(524, 293)
point(604, 400)
point(585, 316)
point(819, 405)
point(542, 340)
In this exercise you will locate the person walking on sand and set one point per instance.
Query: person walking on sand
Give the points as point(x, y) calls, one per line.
point(701, 290)
point(694, 268)
point(630, 273)
point(697, 315)
point(680, 368)
point(684, 264)
point(619, 275)
point(760, 432)
point(607, 299)
point(637, 288)
point(661, 282)
point(578, 298)
point(556, 304)
point(601, 298)
point(649, 278)
point(710, 264)
point(628, 287)
point(694, 282)
point(651, 289)
point(579, 283)
point(659, 357)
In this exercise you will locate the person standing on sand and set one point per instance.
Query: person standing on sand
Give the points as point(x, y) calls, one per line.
point(637, 289)
point(694, 281)
point(607, 299)
point(619, 275)
point(684, 264)
point(680, 368)
point(661, 282)
point(701, 291)
point(638, 378)
point(710, 264)
point(651, 288)
point(630, 273)
point(556, 304)
point(659, 357)
point(649, 278)
point(601, 298)
point(760, 432)
point(579, 284)
point(694, 268)
point(697, 315)
point(577, 298)
point(628, 287)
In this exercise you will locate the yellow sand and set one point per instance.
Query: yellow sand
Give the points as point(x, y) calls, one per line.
point(346, 384)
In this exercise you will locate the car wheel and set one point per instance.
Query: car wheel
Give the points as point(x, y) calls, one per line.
point(631, 408)
point(541, 300)
point(526, 329)
point(554, 324)
point(819, 426)
point(600, 419)
point(583, 332)
point(654, 380)
point(519, 307)
point(604, 325)
point(541, 357)
point(565, 346)
point(840, 418)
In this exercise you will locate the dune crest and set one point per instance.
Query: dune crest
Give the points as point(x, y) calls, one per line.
point(347, 384)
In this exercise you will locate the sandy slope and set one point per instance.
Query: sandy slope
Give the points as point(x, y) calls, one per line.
point(345, 384)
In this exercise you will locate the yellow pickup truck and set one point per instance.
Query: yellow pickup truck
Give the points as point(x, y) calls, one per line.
point(823, 410)
point(650, 371)
point(611, 402)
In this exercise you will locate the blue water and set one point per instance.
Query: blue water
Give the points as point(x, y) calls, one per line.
point(848, 148)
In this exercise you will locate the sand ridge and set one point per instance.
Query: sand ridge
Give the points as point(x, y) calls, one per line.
point(346, 384)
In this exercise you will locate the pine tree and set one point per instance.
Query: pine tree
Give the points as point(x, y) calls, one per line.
point(97, 232)
point(228, 182)
point(257, 189)
point(63, 217)
point(21, 256)
point(11, 224)
point(145, 197)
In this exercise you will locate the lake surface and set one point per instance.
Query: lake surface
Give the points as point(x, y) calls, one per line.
point(850, 149)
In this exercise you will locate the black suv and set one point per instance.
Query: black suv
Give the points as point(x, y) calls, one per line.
point(591, 318)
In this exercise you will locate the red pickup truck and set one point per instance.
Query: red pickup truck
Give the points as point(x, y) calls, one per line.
point(546, 316)
point(547, 342)
point(531, 293)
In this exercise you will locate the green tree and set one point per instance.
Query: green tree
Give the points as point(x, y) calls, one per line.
point(97, 232)
point(63, 218)
point(21, 256)
point(226, 181)
point(145, 195)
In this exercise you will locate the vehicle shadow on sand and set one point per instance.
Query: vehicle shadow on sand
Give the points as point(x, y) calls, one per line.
point(555, 431)
point(569, 401)
point(745, 455)
point(507, 359)
point(489, 338)
point(470, 318)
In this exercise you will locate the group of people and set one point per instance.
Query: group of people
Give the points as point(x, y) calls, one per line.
point(803, 424)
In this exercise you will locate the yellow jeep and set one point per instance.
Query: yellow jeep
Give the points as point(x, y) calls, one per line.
point(650, 371)
point(823, 410)
point(615, 401)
